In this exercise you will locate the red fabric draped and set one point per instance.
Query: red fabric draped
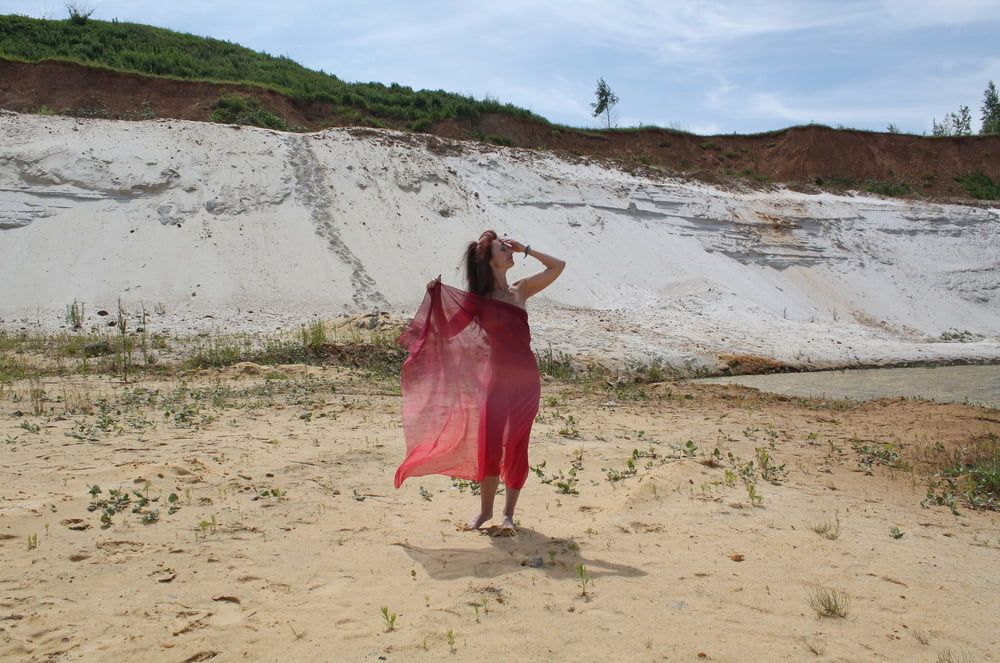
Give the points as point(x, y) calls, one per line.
point(470, 388)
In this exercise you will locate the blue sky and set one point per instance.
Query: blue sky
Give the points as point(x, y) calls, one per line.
point(707, 67)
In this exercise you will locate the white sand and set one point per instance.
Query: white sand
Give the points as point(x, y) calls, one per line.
point(243, 229)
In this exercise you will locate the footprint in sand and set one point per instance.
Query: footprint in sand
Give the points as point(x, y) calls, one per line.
point(76, 524)
point(228, 611)
point(163, 575)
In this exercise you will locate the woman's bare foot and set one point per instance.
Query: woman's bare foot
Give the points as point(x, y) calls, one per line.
point(507, 523)
point(477, 521)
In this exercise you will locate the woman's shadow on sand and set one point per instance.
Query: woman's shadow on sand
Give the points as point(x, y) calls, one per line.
point(557, 557)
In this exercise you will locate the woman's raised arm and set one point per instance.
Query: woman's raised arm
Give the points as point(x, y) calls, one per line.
point(537, 282)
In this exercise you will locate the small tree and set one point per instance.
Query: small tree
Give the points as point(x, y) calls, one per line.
point(78, 12)
point(892, 128)
point(954, 124)
point(943, 129)
point(990, 111)
point(963, 122)
point(605, 100)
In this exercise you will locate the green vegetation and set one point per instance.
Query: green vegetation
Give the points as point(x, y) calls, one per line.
point(236, 109)
point(960, 123)
point(605, 100)
point(496, 139)
point(830, 602)
point(144, 49)
point(389, 618)
point(870, 455)
point(558, 365)
point(972, 474)
point(980, 186)
point(887, 188)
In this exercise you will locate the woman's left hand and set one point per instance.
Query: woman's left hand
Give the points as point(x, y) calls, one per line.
point(513, 244)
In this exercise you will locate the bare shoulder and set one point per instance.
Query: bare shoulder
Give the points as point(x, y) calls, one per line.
point(520, 288)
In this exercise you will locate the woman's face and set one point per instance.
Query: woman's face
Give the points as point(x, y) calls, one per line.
point(503, 256)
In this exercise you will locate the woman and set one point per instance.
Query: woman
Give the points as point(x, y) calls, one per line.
point(470, 383)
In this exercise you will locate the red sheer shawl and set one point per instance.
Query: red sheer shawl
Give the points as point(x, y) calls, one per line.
point(444, 380)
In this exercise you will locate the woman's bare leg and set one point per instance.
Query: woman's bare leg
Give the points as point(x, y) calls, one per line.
point(508, 509)
point(487, 491)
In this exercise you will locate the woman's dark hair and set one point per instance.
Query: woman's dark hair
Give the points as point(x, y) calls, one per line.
point(478, 273)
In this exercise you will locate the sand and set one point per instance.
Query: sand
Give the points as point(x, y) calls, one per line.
point(683, 566)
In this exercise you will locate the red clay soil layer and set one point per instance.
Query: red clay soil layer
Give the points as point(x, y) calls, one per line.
point(802, 157)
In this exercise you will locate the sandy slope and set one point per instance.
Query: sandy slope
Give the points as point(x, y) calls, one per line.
point(229, 228)
point(303, 577)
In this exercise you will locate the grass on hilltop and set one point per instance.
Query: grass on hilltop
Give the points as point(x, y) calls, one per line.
point(135, 48)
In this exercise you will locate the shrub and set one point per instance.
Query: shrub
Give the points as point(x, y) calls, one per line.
point(236, 109)
point(887, 188)
point(979, 186)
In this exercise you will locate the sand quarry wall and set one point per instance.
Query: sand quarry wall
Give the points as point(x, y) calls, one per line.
point(227, 228)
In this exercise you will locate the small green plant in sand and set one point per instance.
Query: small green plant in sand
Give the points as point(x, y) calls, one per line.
point(715, 459)
point(558, 365)
point(118, 501)
point(828, 529)
point(451, 641)
point(484, 606)
point(746, 471)
point(74, 315)
point(768, 470)
point(942, 492)
point(314, 336)
point(690, 449)
point(426, 494)
point(206, 526)
point(566, 485)
point(869, 455)
point(472, 486)
point(32, 541)
point(756, 499)
point(970, 473)
point(630, 465)
point(389, 618)
point(829, 602)
point(569, 430)
point(584, 578)
point(268, 493)
point(30, 427)
point(895, 533)
point(553, 401)
point(125, 342)
point(620, 475)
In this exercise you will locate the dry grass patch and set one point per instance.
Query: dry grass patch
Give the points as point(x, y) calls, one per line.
point(830, 602)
